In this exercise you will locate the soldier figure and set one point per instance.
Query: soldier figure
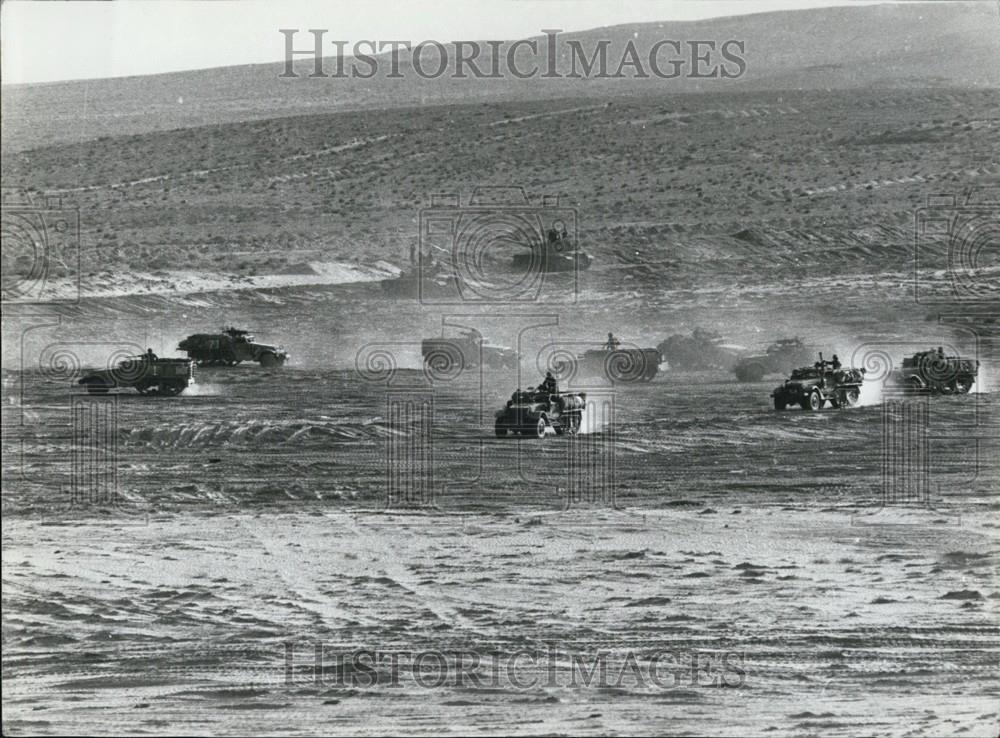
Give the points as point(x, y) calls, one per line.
point(548, 385)
point(612, 343)
point(150, 356)
point(835, 363)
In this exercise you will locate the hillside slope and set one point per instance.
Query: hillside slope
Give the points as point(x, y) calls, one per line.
point(911, 45)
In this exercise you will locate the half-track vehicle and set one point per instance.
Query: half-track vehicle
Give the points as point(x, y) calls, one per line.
point(618, 364)
point(780, 354)
point(229, 347)
point(534, 411)
point(700, 351)
point(447, 356)
point(147, 373)
point(932, 372)
point(812, 387)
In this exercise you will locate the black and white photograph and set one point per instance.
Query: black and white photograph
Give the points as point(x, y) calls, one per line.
point(500, 367)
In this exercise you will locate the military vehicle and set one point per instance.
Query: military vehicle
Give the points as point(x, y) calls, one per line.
point(229, 347)
point(533, 412)
point(780, 354)
point(615, 363)
point(933, 372)
point(700, 351)
point(811, 387)
point(557, 254)
point(147, 373)
point(450, 356)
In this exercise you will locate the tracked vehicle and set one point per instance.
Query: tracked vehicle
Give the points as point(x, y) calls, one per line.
point(147, 373)
point(702, 350)
point(812, 387)
point(229, 347)
point(779, 355)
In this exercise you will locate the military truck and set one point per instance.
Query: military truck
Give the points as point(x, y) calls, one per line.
point(932, 372)
point(533, 412)
point(700, 351)
point(779, 355)
point(811, 387)
point(229, 347)
point(450, 356)
point(147, 373)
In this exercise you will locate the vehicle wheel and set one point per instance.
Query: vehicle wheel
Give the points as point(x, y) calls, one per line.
point(269, 360)
point(780, 403)
point(145, 389)
point(573, 424)
point(815, 401)
point(540, 428)
point(500, 429)
point(169, 389)
point(851, 397)
point(835, 402)
point(963, 385)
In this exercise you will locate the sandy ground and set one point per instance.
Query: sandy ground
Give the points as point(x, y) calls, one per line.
point(736, 570)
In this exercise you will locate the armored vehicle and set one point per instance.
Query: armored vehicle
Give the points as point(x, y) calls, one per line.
point(933, 372)
point(449, 356)
point(148, 373)
point(702, 350)
point(229, 347)
point(813, 386)
point(780, 354)
point(533, 411)
point(618, 364)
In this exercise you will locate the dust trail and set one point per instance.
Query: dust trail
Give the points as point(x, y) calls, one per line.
point(871, 393)
point(597, 415)
point(197, 389)
point(982, 384)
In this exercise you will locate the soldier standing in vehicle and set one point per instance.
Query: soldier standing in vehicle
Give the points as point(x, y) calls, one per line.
point(150, 356)
point(612, 343)
point(549, 385)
